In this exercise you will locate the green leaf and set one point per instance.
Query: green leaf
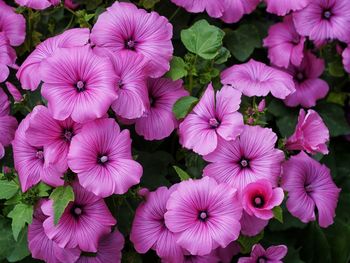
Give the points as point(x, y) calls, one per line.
point(61, 197)
point(287, 123)
point(243, 41)
point(181, 173)
point(177, 69)
point(148, 4)
point(8, 189)
point(21, 214)
point(278, 213)
point(183, 106)
point(338, 236)
point(20, 250)
point(335, 68)
point(223, 56)
point(6, 239)
point(247, 243)
point(203, 39)
point(43, 190)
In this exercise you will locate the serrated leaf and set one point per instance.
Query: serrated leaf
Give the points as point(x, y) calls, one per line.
point(181, 173)
point(21, 214)
point(247, 243)
point(8, 189)
point(223, 56)
point(177, 69)
point(20, 251)
point(61, 197)
point(43, 190)
point(203, 39)
point(183, 106)
point(278, 213)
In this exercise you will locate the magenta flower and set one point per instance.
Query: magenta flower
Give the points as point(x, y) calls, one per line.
point(159, 121)
point(234, 10)
point(259, 198)
point(101, 156)
point(212, 119)
point(309, 184)
point(283, 7)
point(310, 135)
point(148, 34)
point(257, 79)
point(30, 161)
point(83, 223)
point(149, 230)
point(13, 25)
point(7, 57)
point(226, 254)
point(346, 59)
point(308, 86)
point(252, 156)
point(109, 249)
point(252, 225)
point(52, 135)
point(15, 93)
point(8, 124)
point(78, 84)
point(188, 258)
point(38, 4)
point(285, 45)
point(41, 247)
point(29, 72)
point(324, 20)
point(71, 4)
point(273, 254)
point(214, 8)
point(204, 215)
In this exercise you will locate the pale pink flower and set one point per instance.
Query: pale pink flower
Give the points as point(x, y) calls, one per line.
point(214, 8)
point(16, 94)
point(7, 57)
point(283, 7)
point(38, 4)
point(273, 254)
point(235, 9)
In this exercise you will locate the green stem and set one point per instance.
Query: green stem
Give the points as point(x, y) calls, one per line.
point(129, 206)
point(174, 14)
point(70, 10)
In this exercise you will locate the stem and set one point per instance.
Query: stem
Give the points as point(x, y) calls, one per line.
point(174, 14)
point(70, 10)
point(129, 206)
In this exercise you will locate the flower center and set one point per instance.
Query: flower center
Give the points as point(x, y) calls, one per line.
point(327, 14)
point(244, 163)
point(76, 211)
point(120, 84)
point(80, 86)
point(203, 216)
point(296, 40)
point(40, 154)
point(67, 135)
point(213, 122)
point(259, 201)
point(103, 159)
point(300, 76)
point(130, 44)
point(261, 260)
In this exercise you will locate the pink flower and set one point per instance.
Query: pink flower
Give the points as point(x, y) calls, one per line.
point(308, 86)
point(324, 19)
point(30, 161)
point(78, 84)
point(149, 230)
point(310, 135)
point(145, 33)
point(283, 7)
point(71, 4)
point(285, 45)
point(101, 156)
point(41, 247)
point(214, 8)
point(309, 184)
point(8, 124)
point(259, 198)
point(83, 223)
point(273, 254)
point(53, 135)
point(256, 79)
point(13, 25)
point(226, 254)
point(38, 4)
point(109, 249)
point(159, 121)
point(212, 119)
point(203, 215)
point(346, 59)
point(16, 94)
point(252, 156)
point(235, 9)
point(188, 258)
point(7, 57)
point(29, 72)
point(252, 225)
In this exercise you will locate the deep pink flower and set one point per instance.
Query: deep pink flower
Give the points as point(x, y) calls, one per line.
point(101, 156)
point(257, 79)
point(283, 7)
point(252, 156)
point(212, 118)
point(324, 20)
point(259, 198)
point(285, 45)
point(145, 33)
point(38, 4)
point(252, 225)
point(309, 184)
point(41, 247)
point(235, 9)
point(204, 215)
point(149, 230)
point(8, 124)
point(109, 249)
point(310, 135)
point(226, 254)
point(308, 86)
point(83, 223)
point(273, 254)
point(214, 8)
point(52, 135)
point(71, 4)
point(188, 258)
point(16, 94)
point(78, 84)
point(29, 72)
point(7, 57)
point(30, 161)
point(159, 121)
point(346, 59)
point(13, 25)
